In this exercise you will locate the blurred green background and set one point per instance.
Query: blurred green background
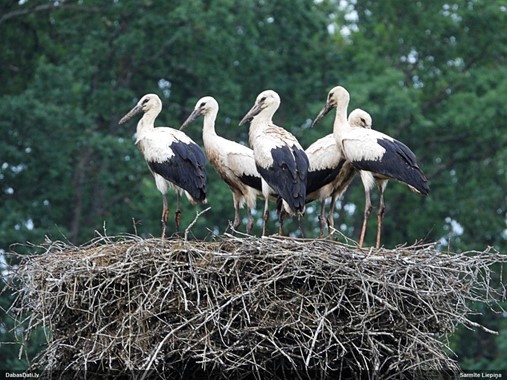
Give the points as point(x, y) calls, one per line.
point(431, 73)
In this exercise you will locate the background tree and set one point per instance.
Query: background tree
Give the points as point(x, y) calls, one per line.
point(430, 73)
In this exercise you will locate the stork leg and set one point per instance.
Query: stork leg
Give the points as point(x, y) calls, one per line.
point(236, 221)
point(177, 213)
point(265, 216)
point(330, 216)
point(281, 217)
point(367, 212)
point(265, 193)
point(165, 213)
point(300, 226)
point(322, 219)
point(381, 211)
point(249, 224)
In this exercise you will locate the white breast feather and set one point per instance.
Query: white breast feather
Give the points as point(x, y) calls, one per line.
point(264, 139)
point(361, 144)
point(242, 162)
point(323, 153)
point(232, 157)
point(156, 146)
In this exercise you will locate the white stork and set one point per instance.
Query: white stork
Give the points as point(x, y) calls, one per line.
point(175, 160)
point(329, 174)
point(280, 159)
point(372, 151)
point(233, 162)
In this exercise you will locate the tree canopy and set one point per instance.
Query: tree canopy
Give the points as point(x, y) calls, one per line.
point(432, 74)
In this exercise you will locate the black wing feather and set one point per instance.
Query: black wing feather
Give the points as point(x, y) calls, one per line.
point(185, 169)
point(321, 177)
point(252, 181)
point(398, 162)
point(288, 175)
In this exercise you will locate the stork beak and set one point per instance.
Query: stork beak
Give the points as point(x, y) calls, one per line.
point(251, 114)
point(194, 115)
point(323, 112)
point(134, 111)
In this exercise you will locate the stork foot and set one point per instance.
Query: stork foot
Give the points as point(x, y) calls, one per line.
point(164, 225)
point(281, 217)
point(300, 226)
point(330, 225)
point(249, 226)
point(380, 219)
point(236, 222)
point(165, 213)
point(265, 222)
point(322, 224)
point(367, 213)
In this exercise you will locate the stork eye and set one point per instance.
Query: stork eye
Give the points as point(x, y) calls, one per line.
point(263, 99)
point(146, 100)
point(364, 121)
point(202, 104)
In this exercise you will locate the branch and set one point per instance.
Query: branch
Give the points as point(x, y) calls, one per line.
point(187, 230)
point(47, 8)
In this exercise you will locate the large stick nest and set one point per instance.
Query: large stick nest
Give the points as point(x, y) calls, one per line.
point(239, 306)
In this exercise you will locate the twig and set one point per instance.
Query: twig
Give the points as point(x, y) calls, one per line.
point(198, 214)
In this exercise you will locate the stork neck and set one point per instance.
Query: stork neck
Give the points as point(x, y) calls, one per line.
point(340, 123)
point(209, 124)
point(261, 120)
point(255, 129)
point(146, 123)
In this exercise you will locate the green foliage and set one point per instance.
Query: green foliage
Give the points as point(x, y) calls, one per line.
point(431, 74)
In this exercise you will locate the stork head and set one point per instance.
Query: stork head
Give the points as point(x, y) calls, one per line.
point(267, 100)
point(338, 98)
point(360, 118)
point(204, 106)
point(147, 103)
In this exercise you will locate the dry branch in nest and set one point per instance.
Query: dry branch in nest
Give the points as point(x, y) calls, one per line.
point(237, 307)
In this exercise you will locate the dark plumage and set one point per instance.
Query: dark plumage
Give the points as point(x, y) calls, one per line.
point(321, 177)
point(398, 162)
point(186, 169)
point(287, 175)
point(252, 181)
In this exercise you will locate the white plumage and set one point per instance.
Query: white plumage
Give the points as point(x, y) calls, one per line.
point(233, 162)
point(175, 161)
point(280, 159)
point(329, 174)
point(372, 151)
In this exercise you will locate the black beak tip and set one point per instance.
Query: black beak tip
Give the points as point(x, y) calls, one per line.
point(321, 114)
point(193, 116)
point(245, 120)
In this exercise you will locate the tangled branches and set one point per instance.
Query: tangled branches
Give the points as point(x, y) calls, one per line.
point(241, 306)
